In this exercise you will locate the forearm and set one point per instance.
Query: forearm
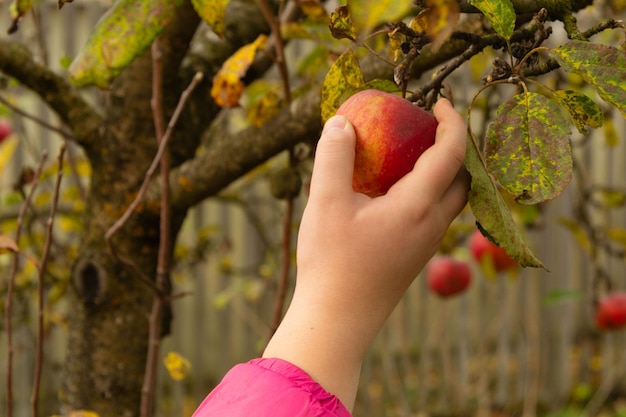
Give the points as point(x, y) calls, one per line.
point(325, 342)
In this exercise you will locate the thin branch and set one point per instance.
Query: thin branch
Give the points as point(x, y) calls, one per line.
point(279, 47)
point(17, 61)
point(144, 186)
point(163, 263)
point(35, 119)
point(11, 287)
point(40, 286)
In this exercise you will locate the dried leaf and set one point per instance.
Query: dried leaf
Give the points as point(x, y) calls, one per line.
point(602, 66)
point(441, 17)
point(227, 84)
point(527, 148)
point(341, 26)
point(343, 78)
point(213, 12)
point(583, 110)
point(7, 245)
point(500, 13)
point(125, 31)
point(177, 366)
point(367, 14)
point(492, 213)
point(17, 10)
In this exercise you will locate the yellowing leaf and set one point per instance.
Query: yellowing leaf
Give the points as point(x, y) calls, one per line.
point(583, 110)
point(492, 213)
point(125, 31)
point(341, 26)
point(213, 12)
point(83, 413)
point(177, 366)
point(343, 78)
point(17, 10)
point(579, 234)
point(601, 66)
point(7, 149)
point(442, 17)
point(227, 85)
point(617, 235)
point(263, 109)
point(527, 148)
point(500, 13)
point(367, 14)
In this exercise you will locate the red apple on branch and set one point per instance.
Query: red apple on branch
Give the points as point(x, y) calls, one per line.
point(447, 276)
point(5, 129)
point(483, 249)
point(391, 134)
point(611, 311)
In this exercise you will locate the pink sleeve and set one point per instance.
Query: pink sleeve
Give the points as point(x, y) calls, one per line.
point(270, 388)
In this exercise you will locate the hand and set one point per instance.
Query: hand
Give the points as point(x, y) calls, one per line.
point(357, 255)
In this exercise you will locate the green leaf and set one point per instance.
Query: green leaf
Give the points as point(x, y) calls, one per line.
point(492, 213)
point(583, 110)
point(121, 34)
point(500, 13)
point(528, 150)
point(602, 66)
point(561, 295)
point(367, 14)
point(343, 78)
point(213, 12)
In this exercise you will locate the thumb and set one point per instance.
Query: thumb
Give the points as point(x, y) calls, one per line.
point(334, 159)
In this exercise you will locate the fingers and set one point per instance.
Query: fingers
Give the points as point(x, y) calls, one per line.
point(438, 167)
point(334, 160)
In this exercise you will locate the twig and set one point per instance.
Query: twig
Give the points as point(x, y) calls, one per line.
point(40, 290)
point(279, 47)
point(285, 267)
point(144, 186)
point(11, 286)
point(35, 119)
point(163, 263)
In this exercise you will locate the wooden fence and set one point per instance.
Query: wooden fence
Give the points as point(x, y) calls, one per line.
point(508, 345)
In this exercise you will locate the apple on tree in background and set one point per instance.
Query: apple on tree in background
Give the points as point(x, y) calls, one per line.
point(611, 311)
point(5, 129)
point(483, 249)
point(391, 134)
point(447, 276)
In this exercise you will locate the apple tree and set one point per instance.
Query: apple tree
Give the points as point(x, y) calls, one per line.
point(171, 76)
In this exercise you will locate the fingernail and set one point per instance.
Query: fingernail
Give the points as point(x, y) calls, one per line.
point(335, 122)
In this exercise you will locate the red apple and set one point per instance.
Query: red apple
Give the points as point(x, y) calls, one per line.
point(611, 311)
point(447, 276)
point(5, 129)
point(391, 134)
point(482, 247)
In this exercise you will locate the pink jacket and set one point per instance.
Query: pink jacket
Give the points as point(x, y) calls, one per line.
point(269, 388)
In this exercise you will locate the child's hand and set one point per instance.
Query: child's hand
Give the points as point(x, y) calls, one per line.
point(356, 256)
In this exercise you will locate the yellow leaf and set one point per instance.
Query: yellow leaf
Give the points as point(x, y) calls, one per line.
point(177, 366)
point(83, 413)
point(442, 17)
point(343, 79)
point(227, 84)
point(213, 12)
point(7, 149)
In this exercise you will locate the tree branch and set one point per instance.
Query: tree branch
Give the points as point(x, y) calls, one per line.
point(17, 62)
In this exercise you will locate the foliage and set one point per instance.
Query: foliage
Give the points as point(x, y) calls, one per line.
point(520, 157)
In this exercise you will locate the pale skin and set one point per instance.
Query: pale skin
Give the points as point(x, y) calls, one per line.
point(357, 255)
